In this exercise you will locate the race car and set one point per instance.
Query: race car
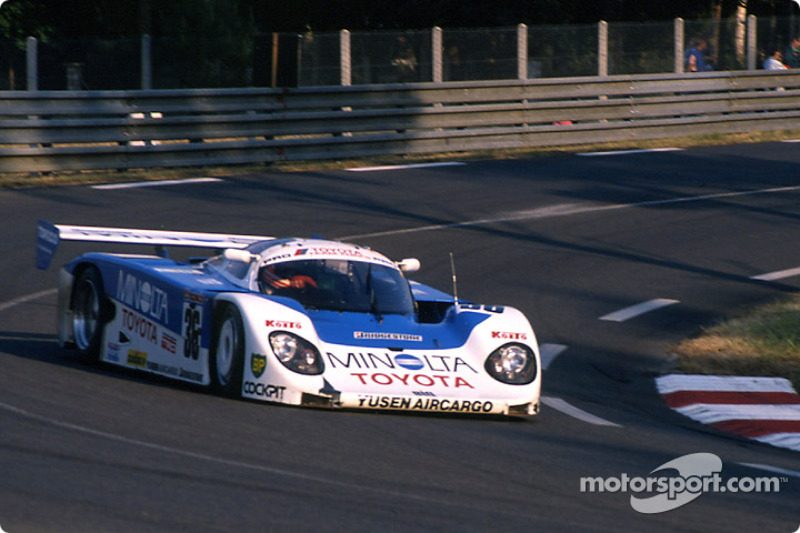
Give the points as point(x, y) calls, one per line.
point(297, 321)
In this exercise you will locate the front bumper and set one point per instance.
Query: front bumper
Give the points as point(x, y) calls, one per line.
point(427, 404)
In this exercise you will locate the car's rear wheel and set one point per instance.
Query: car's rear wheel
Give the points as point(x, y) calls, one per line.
point(87, 302)
point(227, 355)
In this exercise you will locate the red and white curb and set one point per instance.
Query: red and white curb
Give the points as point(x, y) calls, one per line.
point(760, 408)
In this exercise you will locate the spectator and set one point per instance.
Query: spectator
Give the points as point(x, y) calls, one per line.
point(695, 56)
point(774, 61)
point(404, 61)
point(792, 55)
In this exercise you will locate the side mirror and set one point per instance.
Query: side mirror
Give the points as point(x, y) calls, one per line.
point(240, 256)
point(408, 265)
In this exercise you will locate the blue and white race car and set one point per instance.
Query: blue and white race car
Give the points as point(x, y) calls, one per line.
point(296, 321)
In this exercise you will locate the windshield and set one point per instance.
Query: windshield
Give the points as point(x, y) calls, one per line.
point(339, 285)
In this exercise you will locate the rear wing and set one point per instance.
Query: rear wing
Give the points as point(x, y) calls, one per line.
point(48, 237)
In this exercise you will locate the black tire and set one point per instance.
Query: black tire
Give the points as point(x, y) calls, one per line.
point(87, 313)
point(226, 357)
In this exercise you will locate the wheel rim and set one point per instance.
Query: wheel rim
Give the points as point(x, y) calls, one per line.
point(85, 314)
point(227, 344)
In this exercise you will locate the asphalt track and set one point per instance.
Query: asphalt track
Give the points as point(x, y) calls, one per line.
point(567, 239)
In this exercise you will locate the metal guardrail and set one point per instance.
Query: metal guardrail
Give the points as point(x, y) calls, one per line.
point(56, 131)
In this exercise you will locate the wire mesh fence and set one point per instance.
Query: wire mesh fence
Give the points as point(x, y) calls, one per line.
point(88, 63)
point(198, 60)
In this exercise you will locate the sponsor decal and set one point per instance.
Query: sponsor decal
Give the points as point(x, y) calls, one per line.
point(409, 362)
point(137, 358)
point(277, 258)
point(389, 361)
point(273, 392)
point(283, 324)
point(422, 380)
point(112, 353)
point(169, 343)
point(142, 296)
point(162, 369)
point(343, 252)
point(141, 326)
point(423, 393)
point(509, 336)
point(192, 376)
point(426, 404)
point(258, 363)
point(377, 336)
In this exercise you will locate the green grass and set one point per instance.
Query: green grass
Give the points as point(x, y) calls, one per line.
point(763, 342)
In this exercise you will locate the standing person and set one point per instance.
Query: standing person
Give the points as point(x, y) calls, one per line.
point(774, 61)
point(695, 56)
point(792, 55)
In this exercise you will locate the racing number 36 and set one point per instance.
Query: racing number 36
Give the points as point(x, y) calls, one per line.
point(192, 328)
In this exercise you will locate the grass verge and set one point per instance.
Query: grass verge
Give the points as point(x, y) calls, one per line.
point(764, 341)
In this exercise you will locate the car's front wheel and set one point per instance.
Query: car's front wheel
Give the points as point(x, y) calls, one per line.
point(87, 301)
point(227, 355)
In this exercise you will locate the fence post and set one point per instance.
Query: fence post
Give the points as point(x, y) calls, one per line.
point(32, 46)
point(679, 40)
point(751, 42)
point(345, 59)
point(522, 52)
point(146, 63)
point(436, 55)
point(602, 48)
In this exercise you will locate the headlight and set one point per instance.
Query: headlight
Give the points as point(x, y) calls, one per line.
point(296, 353)
point(514, 364)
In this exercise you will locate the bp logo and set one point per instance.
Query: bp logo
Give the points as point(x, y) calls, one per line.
point(258, 363)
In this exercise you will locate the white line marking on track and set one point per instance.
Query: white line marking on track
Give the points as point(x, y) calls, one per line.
point(23, 299)
point(569, 209)
point(780, 274)
point(700, 382)
point(548, 353)
point(715, 412)
point(636, 310)
point(626, 152)
point(570, 410)
point(407, 167)
point(791, 141)
point(161, 183)
point(773, 469)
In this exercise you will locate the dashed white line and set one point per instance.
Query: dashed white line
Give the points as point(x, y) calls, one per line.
point(780, 274)
point(567, 210)
point(548, 353)
point(636, 310)
point(23, 299)
point(626, 152)
point(407, 167)
point(570, 410)
point(160, 183)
